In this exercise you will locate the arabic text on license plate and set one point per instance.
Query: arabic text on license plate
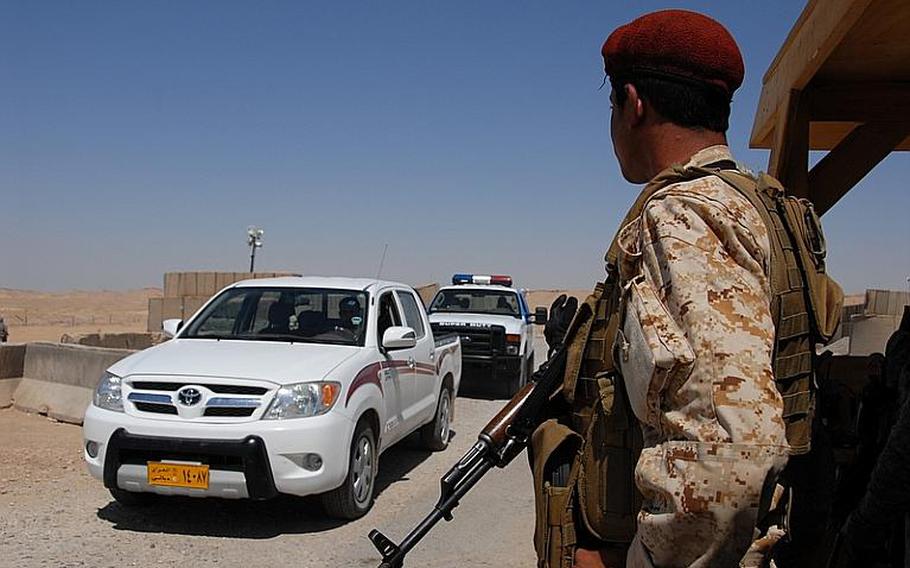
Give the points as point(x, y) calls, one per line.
point(178, 475)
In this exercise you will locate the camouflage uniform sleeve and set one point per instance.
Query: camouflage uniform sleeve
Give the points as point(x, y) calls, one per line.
point(712, 455)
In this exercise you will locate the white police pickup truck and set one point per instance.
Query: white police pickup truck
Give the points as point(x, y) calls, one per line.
point(495, 325)
point(285, 385)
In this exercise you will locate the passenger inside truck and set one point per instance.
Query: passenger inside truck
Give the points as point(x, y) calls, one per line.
point(279, 318)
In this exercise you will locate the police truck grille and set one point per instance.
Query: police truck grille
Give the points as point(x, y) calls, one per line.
point(476, 340)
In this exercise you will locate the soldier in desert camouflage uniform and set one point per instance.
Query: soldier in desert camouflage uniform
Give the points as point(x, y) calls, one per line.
point(687, 306)
point(715, 437)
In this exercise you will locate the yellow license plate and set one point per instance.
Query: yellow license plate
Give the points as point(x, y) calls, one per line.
point(178, 475)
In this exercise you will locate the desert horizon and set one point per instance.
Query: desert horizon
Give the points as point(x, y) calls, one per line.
point(37, 315)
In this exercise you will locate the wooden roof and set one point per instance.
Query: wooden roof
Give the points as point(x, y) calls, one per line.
point(851, 58)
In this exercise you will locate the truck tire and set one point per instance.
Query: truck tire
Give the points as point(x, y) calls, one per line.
point(354, 497)
point(435, 435)
point(132, 499)
point(515, 383)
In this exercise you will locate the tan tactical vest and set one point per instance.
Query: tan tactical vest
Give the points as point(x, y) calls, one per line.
point(601, 431)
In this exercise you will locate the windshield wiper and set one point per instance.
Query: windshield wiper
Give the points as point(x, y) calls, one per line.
point(275, 337)
point(215, 336)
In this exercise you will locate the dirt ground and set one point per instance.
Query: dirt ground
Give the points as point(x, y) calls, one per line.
point(53, 513)
point(45, 316)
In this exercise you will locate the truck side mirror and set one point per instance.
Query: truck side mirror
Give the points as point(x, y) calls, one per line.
point(540, 315)
point(170, 327)
point(399, 337)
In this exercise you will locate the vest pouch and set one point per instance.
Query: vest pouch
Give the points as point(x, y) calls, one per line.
point(652, 351)
point(553, 445)
point(607, 495)
point(826, 298)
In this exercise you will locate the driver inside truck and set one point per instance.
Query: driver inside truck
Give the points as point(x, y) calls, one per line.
point(350, 313)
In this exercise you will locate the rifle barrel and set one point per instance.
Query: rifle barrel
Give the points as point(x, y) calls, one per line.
point(443, 509)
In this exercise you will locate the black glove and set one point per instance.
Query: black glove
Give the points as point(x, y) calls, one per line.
point(562, 310)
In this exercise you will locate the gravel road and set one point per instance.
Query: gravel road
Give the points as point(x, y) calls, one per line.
point(52, 513)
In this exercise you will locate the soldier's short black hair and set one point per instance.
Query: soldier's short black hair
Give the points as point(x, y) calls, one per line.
point(691, 105)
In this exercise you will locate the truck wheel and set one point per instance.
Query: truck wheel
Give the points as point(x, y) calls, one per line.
point(435, 435)
point(513, 385)
point(132, 499)
point(355, 496)
point(521, 379)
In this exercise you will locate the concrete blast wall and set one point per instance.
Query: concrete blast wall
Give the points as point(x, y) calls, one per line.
point(186, 292)
point(869, 334)
point(427, 292)
point(58, 379)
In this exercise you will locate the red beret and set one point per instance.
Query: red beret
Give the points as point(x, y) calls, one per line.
point(675, 44)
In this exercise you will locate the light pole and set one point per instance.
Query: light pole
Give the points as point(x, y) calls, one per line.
point(254, 241)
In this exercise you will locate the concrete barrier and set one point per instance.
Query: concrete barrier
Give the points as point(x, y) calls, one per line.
point(127, 340)
point(12, 360)
point(12, 363)
point(58, 379)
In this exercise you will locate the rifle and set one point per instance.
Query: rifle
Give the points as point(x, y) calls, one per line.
point(498, 443)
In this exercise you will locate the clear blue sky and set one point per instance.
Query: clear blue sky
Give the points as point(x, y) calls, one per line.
point(142, 137)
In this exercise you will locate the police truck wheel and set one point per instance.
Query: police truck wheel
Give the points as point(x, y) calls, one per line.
point(132, 499)
point(513, 385)
point(435, 435)
point(355, 496)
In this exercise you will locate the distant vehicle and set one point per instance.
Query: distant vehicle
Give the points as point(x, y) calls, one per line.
point(495, 325)
point(285, 385)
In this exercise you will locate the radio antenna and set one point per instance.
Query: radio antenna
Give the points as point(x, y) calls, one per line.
point(385, 249)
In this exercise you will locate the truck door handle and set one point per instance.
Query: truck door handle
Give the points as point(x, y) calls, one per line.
point(411, 362)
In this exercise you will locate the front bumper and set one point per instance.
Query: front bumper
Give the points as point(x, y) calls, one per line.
point(492, 367)
point(246, 460)
point(239, 468)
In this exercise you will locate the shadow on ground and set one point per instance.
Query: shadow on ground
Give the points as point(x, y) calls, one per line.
point(284, 514)
point(478, 385)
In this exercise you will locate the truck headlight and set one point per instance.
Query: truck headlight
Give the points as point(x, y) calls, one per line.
point(513, 343)
point(302, 400)
point(108, 394)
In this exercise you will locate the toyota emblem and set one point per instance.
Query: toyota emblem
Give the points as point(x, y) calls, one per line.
point(189, 396)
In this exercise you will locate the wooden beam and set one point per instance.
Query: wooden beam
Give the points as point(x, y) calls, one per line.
point(789, 159)
point(848, 163)
point(820, 28)
point(859, 102)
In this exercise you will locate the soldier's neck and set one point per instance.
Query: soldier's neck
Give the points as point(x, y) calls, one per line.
point(672, 144)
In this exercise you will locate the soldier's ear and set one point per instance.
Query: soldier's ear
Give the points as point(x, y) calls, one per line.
point(635, 106)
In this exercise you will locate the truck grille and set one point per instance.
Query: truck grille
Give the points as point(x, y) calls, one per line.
point(220, 389)
point(156, 408)
point(226, 411)
point(476, 340)
point(215, 400)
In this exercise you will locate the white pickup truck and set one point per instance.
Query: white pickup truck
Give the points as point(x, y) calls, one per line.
point(285, 385)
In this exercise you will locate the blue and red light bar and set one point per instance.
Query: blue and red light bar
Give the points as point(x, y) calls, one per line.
point(496, 279)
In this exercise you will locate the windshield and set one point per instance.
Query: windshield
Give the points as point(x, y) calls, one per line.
point(308, 315)
point(477, 302)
